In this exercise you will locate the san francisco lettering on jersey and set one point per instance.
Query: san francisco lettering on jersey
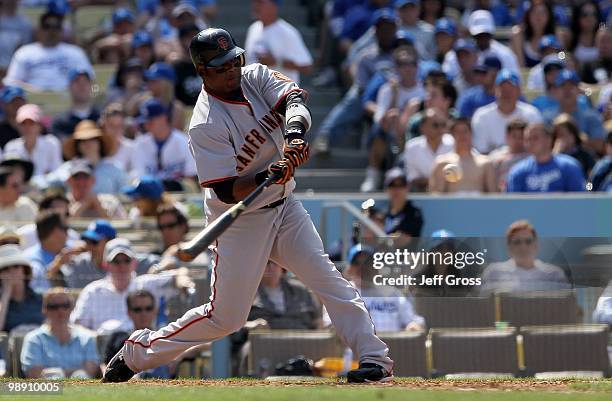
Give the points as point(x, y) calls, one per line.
point(254, 139)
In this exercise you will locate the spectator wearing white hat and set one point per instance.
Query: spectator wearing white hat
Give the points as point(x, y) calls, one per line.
point(13, 205)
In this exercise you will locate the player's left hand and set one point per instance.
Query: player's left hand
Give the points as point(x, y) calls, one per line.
point(297, 152)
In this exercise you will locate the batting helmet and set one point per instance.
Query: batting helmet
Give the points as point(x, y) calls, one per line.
point(214, 47)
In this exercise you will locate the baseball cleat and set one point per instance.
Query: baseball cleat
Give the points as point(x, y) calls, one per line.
point(368, 373)
point(116, 370)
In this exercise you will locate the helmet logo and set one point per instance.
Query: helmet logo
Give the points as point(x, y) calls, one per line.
point(223, 43)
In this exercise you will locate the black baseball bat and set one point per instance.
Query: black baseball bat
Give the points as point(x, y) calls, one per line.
point(188, 252)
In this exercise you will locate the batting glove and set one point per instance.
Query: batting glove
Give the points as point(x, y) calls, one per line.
point(297, 152)
point(283, 169)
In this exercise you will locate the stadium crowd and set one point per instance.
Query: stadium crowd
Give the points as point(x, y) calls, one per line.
point(511, 96)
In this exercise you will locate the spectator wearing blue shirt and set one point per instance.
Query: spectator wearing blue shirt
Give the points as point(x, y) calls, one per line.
point(466, 52)
point(445, 34)
point(482, 94)
point(544, 171)
point(601, 175)
point(409, 12)
point(58, 349)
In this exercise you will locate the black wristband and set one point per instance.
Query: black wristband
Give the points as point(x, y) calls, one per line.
point(295, 130)
point(261, 177)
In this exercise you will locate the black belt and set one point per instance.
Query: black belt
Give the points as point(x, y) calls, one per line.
point(274, 204)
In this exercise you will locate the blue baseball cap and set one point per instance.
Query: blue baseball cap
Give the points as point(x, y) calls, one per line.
point(506, 75)
point(160, 70)
point(147, 187)
point(98, 230)
point(150, 109)
point(441, 236)
point(550, 41)
point(60, 7)
point(465, 44)
point(446, 25)
point(489, 63)
point(553, 60)
point(566, 76)
point(141, 38)
point(77, 72)
point(401, 3)
point(403, 36)
point(358, 249)
point(10, 92)
point(428, 67)
point(122, 14)
point(384, 14)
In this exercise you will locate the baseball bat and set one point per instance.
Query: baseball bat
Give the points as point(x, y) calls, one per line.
point(188, 252)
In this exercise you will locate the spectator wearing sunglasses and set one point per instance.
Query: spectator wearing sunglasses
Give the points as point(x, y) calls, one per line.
point(45, 65)
point(14, 206)
point(403, 220)
point(58, 349)
point(523, 271)
point(19, 305)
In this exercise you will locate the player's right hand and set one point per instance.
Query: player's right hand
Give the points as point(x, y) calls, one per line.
point(283, 169)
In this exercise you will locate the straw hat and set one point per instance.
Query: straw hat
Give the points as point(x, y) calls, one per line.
point(85, 130)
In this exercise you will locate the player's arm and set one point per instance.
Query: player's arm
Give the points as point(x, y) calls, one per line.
point(234, 190)
point(297, 123)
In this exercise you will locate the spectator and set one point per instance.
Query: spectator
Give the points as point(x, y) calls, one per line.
point(568, 140)
point(390, 310)
point(599, 71)
point(547, 102)
point(11, 99)
point(393, 98)
point(90, 146)
point(466, 53)
point(511, 153)
point(587, 119)
point(42, 150)
point(172, 225)
point(440, 94)
point(188, 83)
point(538, 80)
point(128, 85)
point(423, 33)
point(421, 152)
point(15, 30)
point(53, 198)
point(105, 299)
point(13, 205)
point(538, 22)
point(143, 48)
point(22, 168)
point(58, 349)
point(19, 305)
point(603, 310)
point(84, 202)
point(9, 236)
point(544, 171)
point(160, 78)
point(601, 175)
point(112, 46)
point(477, 172)
point(484, 92)
point(489, 122)
point(432, 10)
point(523, 271)
point(445, 34)
point(163, 151)
point(113, 125)
point(81, 269)
point(402, 220)
point(159, 23)
point(81, 107)
point(285, 303)
point(45, 65)
point(272, 41)
point(586, 17)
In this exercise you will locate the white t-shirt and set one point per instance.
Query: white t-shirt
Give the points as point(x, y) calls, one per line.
point(29, 236)
point(508, 277)
point(24, 209)
point(123, 157)
point(176, 160)
point(282, 41)
point(489, 124)
point(99, 301)
point(505, 55)
point(46, 155)
point(404, 95)
point(46, 68)
point(419, 158)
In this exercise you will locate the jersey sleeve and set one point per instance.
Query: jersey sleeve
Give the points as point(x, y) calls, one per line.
point(275, 86)
point(213, 153)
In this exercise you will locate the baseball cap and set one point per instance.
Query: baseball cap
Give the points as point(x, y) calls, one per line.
point(147, 187)
point(59, 7)
point(29, 112)
point(122, 14)
point(10, 92)
point(465, 44)
point(401, 3)
point(403, 36)
point(358, 249)
point(566, 76)
point(80, 167)
point(446, 25)
point(428, 67)
point(489, 63)
point(481, 21)
point(393, 174)
point(118, 246)
point(150, 109)
point(160, 70)
point(11, 159)
point(9, 233)
point(12, 255)
point(98, 230)
point(506, 75)
point(441, 236)
point(184, 7)
point(76, 72)
point(141, 38)
point(553, 60)
point(550, 41)
point(384, 14)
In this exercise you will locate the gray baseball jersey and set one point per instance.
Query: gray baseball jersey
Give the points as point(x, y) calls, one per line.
point(232, 139)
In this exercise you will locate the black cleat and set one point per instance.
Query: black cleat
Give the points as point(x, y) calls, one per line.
point(116, 370)
point(367, 373)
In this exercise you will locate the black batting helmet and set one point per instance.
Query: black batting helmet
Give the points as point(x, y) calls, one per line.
point(214, 47)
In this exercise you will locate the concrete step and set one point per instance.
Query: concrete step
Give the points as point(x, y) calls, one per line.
point(329, 180)
point(340, 158)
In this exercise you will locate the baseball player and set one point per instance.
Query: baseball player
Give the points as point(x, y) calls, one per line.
point(249, 122)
